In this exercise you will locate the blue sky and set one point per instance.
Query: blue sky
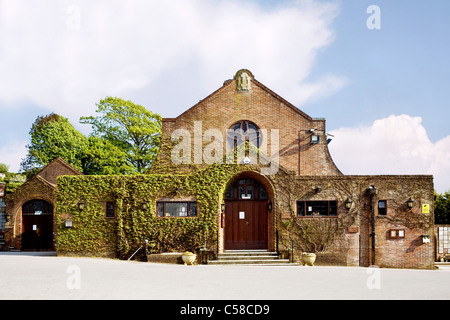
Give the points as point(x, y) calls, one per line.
point(384, 93)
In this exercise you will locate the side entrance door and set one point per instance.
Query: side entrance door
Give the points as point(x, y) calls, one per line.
point(37, 224)
point(37, 232)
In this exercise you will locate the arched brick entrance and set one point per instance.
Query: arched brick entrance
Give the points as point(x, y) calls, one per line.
point(247, 218)
point(37, 229)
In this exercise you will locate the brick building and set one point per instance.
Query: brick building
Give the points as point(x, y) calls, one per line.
point(30, 223)
point(282, 191)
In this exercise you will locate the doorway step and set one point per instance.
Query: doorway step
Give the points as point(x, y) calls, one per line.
point(250, 257)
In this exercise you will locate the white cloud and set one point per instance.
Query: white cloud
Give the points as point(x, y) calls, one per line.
point(67, 55)
point(12, 152)
point(398, 144)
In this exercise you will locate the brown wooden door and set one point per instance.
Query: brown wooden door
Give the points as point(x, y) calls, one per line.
point(37, 232)
point(245, 225)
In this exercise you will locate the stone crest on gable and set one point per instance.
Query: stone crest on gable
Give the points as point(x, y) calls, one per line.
point(243, 80)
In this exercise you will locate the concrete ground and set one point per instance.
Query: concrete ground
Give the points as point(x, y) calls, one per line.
point(46, 276)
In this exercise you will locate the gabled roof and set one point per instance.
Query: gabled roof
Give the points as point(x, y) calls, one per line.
point(254, 82)
point(58, 160)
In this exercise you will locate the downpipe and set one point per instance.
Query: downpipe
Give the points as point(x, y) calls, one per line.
point(372, 191)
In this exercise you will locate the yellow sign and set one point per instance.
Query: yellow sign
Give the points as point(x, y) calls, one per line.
point(425, 208)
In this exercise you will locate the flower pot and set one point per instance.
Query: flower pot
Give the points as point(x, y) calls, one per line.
point(308, 258)
point(188, 258)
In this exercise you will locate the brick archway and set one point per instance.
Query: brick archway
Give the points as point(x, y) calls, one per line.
point(248, 219)
point(37, 225)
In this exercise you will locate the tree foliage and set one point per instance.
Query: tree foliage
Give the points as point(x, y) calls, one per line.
point(4, 168)
point(442, 208)
point(101, 157)
point(53, 136)
point(130, 127)
point(125, 140)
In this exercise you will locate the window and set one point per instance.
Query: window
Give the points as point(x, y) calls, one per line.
point(443, 239)
point(243, 131)
point(316, 208)
point(176, 209)
point(37, 207)
point(110, 210)
point(2, 214)
point(246, 189)
point(382, 208)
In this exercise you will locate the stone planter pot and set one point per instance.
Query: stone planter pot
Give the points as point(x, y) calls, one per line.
point(308, 258)
point(188, 258)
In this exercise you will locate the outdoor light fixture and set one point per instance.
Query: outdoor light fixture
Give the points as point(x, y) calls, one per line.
point(425, 238)
point(222, 207)
point(348, 204)
point(81, 205)
point(317, 190)
point(410, 203)
point(269, 206)
point(68, 223)
point(315, 138)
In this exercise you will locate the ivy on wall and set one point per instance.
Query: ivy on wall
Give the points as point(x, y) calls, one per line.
point(135, 212)
point(135, 208)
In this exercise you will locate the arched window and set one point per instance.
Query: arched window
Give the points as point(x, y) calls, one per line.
point(243, 131)
point(246, 189)
point(37, 207)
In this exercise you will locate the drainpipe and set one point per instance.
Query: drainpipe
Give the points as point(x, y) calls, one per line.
point(372, 191)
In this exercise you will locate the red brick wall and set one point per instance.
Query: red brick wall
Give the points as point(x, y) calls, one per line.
point(57, 168)
point(41, 186)
point(267, 110)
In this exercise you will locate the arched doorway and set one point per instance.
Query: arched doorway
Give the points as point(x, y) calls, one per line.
point(246, 215)
point(37, 220)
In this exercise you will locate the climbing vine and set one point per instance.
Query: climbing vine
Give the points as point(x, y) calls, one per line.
point(135, 218)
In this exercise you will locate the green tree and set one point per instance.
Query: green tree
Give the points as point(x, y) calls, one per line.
point(130, 127)
point(101, 157)
point(4, 168)
point(442, 208)
point(53, 136)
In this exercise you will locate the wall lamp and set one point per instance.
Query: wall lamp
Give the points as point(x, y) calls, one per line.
point(269, 206)
point(81, 205)
point(68, 223)
point(410, 203)
point(315, 138)
point(348, 204)
point(222, 207)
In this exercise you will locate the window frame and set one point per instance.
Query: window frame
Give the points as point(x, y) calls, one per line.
point(31, 207)
point(250, 186)
point(382, 211)
point(241, 131)
point(170, 216)
point(305, 211)
point(107, 210)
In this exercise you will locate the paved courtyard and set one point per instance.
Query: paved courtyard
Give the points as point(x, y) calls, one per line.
point(37, 276)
